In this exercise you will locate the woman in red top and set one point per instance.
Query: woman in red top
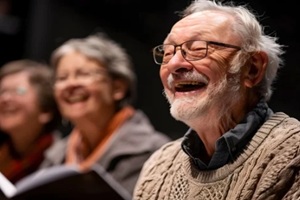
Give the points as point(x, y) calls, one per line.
point(28, 118)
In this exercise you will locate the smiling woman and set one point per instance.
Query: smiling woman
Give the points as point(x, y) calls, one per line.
point(95, 90)
point(29, 116)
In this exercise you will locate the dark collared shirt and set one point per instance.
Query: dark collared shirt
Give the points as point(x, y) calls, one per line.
point(231, 143)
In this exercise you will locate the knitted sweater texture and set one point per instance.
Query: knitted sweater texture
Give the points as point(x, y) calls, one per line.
point(267, 169)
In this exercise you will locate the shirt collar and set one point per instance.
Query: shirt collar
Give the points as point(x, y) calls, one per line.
point(231, 143)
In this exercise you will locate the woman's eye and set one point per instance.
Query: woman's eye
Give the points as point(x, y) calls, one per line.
point(60, 78)
point(84, 74)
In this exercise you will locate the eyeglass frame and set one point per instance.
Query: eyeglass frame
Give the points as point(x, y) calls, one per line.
point(89, 77)
point(17, 91)
point(182, 51)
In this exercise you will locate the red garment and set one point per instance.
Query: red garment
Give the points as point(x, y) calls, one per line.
point(16, 167)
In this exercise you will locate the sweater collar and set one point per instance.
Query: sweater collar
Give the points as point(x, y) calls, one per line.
point(76, 144)
point(231, 143)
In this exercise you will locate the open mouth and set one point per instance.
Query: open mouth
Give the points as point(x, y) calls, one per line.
point(76, 98)
point(189, 86)
point(8, 109)
point(77, 95)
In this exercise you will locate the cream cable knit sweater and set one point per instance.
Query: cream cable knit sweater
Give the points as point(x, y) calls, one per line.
point(267, 169)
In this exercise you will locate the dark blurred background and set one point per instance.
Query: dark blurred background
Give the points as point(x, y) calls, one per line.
point(34, 28)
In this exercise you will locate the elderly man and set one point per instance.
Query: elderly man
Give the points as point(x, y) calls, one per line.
point(217, 69)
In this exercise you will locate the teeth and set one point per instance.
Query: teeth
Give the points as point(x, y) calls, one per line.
point(183, 84)
point(76, 98)
point(76, 95)
point(8, 109)
point(188, 86)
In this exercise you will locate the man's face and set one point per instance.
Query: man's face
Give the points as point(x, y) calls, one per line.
point(198, 88)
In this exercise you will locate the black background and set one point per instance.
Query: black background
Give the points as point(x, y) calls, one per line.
point(34, 28)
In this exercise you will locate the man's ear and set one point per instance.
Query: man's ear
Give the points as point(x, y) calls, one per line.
point(119, 89)
point(256, 69)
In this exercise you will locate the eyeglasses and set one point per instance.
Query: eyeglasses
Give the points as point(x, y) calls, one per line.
point(81, 76)
point(18, 91)
point(191, 50)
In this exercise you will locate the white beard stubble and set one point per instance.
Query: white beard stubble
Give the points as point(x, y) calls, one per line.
point(222, 95)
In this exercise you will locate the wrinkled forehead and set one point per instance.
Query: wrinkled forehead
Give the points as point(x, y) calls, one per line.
point(206, 25)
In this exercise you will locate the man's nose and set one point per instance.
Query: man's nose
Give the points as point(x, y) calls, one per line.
point(178, 62)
